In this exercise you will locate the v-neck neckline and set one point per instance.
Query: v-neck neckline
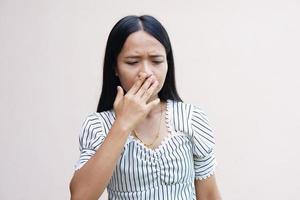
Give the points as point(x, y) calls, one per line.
point(168, 118)
point(166, 138)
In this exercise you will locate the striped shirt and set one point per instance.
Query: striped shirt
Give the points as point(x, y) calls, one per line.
point(166, 172)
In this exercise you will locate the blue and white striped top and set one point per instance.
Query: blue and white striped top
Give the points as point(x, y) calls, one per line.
point(166, 172)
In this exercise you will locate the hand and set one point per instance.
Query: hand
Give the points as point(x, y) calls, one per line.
point(132, 108)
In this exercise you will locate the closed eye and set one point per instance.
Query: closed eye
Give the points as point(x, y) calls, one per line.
point(131, 63)
point(135, 62)
point(157, 62)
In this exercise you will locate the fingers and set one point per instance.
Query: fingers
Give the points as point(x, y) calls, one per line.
point(145, 86)
point(119, 96)
point(134, 89)
point(149, 92)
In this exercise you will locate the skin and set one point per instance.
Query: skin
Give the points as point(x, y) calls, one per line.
point(90, 181)
point(207, 189)
point(138, 106)
point(142, 56)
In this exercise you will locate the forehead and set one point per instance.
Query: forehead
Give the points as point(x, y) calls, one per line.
point(141, 42)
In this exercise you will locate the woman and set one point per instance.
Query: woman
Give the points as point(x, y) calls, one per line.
point(144, 142)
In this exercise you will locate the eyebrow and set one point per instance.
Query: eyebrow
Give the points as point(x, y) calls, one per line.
point(152, 56)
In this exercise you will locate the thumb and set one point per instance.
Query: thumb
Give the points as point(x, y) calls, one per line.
point(120, 94)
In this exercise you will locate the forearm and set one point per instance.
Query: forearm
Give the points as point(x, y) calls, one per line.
point(92, 178)
point(213, 197)
point(207, 189)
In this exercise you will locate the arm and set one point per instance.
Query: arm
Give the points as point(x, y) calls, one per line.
point(92, 178)
point(206, 189)
point(204, 156)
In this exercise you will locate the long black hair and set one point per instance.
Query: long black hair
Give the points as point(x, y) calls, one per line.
point(116, 39)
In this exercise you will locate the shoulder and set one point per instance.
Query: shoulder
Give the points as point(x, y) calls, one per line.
point(191, 119)
point(187, 109)
point(184, 114)
point(100, 121)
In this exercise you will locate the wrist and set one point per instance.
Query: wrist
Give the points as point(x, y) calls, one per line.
point(123, 126)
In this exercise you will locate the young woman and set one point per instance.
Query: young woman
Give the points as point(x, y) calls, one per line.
point(144, 142)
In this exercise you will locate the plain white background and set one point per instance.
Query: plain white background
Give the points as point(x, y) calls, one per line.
point(238, 60)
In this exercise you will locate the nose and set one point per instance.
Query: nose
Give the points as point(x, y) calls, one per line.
point(146, 68)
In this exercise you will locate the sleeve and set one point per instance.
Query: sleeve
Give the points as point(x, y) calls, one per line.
point(90, 138)
point(203, 144)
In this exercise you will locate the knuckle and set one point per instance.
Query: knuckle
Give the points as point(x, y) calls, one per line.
point(135, 99)
point(127, 97)
point(139, 81)
point(147, 93)
point(144, 87)
point(149, 80)
point(144, 108)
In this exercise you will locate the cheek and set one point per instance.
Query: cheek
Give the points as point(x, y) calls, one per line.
point(127, 81)
point(162, 76)
point(161, 79)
